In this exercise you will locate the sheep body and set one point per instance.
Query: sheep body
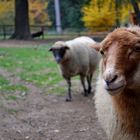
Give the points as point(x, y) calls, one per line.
point(119, 114)
point(79, 59)
point(83, 58)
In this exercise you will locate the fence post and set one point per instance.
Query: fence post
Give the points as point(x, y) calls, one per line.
point(4, 32)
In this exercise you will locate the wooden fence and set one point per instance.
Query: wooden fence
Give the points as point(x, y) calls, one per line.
point(45, 32)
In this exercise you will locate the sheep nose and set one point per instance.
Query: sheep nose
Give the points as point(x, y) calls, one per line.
point(58, 59)
point(110, 76)
point(111, 80)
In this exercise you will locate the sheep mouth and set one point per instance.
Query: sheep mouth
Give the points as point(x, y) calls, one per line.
point(115, 89)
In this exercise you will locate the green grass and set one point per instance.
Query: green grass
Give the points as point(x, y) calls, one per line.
point(11, 97)
point(3, 81)
point(7, 89)
point(5, 85)
point(34, 65)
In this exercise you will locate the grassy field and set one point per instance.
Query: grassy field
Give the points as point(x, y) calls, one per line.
point(32, 65)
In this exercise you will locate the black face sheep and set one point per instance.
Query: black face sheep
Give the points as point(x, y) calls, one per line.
point(76, 57)
point(117, 96)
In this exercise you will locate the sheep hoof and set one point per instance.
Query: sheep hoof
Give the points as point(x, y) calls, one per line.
point(85, 94)
point(89, 90)
point(68, 100)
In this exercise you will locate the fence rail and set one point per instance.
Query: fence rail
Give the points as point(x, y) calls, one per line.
point(48, 33)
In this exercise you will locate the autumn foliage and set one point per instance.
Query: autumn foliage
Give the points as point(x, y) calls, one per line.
point(37, 12)
point(6, 12)
point(102, 16)
point(98, 15)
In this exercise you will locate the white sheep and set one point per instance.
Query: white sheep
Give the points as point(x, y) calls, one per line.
point(76, 57)
point(117, 96)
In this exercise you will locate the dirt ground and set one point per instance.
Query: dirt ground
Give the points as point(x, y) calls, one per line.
point(48, 117)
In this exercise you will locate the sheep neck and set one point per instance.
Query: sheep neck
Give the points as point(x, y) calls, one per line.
point(127, 105)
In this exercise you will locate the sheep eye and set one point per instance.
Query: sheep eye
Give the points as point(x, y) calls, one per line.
point(137, 49)
point(102, 52)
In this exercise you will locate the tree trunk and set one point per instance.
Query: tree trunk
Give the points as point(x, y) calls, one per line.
point(22, 28)
point(136, 10)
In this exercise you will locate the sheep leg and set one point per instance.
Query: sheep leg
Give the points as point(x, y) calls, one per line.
point(89, 79)
point(84, 86)
point(69, 97)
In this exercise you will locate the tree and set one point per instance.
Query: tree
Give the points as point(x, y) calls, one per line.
point(134, 3)
point(38, 12)
point(22, 29)
point(102, 16)
point(136, 9)
point(6, 12)
point(71, 14)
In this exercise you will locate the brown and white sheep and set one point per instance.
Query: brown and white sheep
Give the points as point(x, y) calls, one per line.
point(76, 57)
point(117, 96)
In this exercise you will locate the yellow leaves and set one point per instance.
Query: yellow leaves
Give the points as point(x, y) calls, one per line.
point(95, 16)
point(36, 6)
point(125, 10)
point(103, 15)
point(6, 11)
point(6, 5)
point(37, 12)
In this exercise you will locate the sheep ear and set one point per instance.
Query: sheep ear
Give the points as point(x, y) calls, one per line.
point(96, 46)
point(66, 47)
point(51, 49)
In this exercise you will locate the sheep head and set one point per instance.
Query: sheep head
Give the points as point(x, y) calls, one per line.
point(59, 50)
point(120, 64)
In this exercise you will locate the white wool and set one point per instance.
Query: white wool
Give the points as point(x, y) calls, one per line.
point(105, 108)
point(83, 57)
point(106, 114)
point(81, 41)
point(134, 28)
point(80, 58)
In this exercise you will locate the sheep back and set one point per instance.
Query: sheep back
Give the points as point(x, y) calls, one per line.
point(82, 58)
